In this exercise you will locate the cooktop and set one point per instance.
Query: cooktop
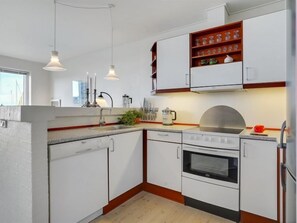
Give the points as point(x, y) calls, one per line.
point(221, 130)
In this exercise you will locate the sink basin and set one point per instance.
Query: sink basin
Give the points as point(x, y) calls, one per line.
point(110, 128)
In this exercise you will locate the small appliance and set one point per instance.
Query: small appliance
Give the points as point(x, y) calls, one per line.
point(168, 118)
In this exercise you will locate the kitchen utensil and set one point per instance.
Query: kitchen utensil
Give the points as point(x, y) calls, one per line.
point(127, 101)
point(168, 117)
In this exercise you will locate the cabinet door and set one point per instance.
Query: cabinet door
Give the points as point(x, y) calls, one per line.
point(173, 63)
point(164, 164)
point(258, 185)
point(264, 53)
point(125, 163)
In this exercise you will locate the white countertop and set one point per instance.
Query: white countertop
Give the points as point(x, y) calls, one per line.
point(63, 136)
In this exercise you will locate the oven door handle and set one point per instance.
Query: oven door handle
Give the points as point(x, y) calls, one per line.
point(213, 151)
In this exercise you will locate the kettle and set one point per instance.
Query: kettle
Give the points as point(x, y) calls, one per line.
point(168, 117)
point(127, 101)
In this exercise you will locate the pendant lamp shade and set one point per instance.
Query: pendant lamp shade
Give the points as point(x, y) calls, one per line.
point(54, 64)
point(111, 73)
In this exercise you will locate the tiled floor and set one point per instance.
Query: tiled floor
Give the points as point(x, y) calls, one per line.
point(149, 208)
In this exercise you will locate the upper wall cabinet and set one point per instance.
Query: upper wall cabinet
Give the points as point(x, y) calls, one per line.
point(216, 58)
point(173, 64)
point(264, 53)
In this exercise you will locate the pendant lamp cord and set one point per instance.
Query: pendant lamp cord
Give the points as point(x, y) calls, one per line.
point(111, 32)
point(55, 25)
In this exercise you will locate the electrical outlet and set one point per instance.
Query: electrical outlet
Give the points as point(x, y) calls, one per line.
point(3, 123)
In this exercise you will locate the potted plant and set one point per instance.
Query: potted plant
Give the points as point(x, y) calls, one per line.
point(131, 117)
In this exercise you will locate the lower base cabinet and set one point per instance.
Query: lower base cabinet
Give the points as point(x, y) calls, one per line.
point(164, 160)
point(125, 163)
point(258, 185)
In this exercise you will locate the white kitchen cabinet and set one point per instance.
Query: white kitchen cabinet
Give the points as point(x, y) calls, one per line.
point(164, 160)
point(258, 183)
point(264, 52)
point(125, 163)
point(173, 63)
point(219, 76)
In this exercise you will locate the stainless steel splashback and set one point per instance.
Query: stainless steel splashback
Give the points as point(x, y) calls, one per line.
point(222, 116)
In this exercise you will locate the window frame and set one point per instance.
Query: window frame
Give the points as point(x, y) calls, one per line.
point(26, 82)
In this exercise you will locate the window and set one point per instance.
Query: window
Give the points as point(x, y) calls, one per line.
point(13, 87)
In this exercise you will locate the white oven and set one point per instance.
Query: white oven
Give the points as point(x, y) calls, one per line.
point(217, 166)
point(211, 163)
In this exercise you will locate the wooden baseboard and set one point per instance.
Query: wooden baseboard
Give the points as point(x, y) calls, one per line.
point(164, 192)
point(122, 198)
point(246, 217)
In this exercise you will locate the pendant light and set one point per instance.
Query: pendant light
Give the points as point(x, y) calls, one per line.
point(54, 64)
point(111, 73)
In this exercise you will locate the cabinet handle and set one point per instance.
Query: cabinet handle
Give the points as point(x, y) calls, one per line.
point(177, 152)
point(112, 140)
point(187, 79)
point(160, 134)
point(244, 150)
point(84, 151)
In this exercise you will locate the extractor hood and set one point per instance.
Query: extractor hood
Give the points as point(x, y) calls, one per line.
point(219, 77)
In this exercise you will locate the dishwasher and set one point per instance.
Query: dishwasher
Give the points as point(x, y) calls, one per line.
point(78, 180)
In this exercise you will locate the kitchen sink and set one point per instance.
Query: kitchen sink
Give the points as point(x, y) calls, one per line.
point(110, 128)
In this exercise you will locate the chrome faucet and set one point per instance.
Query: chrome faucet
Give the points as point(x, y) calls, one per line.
point(101, 118)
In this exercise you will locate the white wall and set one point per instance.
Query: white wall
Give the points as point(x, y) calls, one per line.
point(265, 106)
point(39, 78)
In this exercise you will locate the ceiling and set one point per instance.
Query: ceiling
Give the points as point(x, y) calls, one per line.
point(27, 25)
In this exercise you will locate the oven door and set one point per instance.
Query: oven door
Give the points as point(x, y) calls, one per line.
point(211, 165)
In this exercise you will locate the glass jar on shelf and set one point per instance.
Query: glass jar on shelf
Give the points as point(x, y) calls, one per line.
point(236, 34)
point(219, 38)
point(211, 40)
point(224, 49)
point(235, 47)
point(197, 42)
point(230, 48)
point(204, 41)
point(219, 50)
point(227, 36)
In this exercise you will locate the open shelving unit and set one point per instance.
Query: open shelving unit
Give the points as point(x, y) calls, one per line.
point(154, 68)
point(216, 43)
